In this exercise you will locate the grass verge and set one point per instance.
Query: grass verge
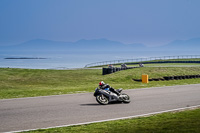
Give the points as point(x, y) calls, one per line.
point(175, 122)
point(15, 83)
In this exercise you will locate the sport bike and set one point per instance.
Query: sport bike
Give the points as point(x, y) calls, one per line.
point(104, 96)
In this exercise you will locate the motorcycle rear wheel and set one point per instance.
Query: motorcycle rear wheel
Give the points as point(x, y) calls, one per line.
point(126, 98)
point(101, 99)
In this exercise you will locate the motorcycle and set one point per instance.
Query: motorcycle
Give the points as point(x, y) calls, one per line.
point(105, 96)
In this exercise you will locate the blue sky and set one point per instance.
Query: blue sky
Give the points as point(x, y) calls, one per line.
point(152, 22)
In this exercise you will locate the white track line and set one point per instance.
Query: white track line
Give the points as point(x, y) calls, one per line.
point(128, 117)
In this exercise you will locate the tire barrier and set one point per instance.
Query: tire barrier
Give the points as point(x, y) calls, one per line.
point(166, 78)
point(114, 69)
point(109, 70)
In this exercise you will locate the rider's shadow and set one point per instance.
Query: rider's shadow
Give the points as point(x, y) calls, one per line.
point(90, 104)
point(96, 104)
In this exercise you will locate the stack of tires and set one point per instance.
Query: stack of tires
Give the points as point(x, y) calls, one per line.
point(181, 77)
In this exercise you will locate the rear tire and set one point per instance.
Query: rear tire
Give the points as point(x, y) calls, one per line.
point(101, 99)
point(126, 98)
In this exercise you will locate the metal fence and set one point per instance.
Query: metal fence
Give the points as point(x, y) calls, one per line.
point(141, 60)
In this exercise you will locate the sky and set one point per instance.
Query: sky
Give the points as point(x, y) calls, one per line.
point(151, 22)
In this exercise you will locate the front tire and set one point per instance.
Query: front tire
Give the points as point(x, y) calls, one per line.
point(126, 98)
point(101, 99)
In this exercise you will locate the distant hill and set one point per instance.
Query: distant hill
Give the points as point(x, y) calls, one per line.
point(100, 45)
point(180, 45)
point(95, 44)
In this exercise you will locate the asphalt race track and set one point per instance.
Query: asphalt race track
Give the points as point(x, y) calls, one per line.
point(50, 111)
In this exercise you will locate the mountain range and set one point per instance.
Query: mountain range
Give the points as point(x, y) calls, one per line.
point(100, 45)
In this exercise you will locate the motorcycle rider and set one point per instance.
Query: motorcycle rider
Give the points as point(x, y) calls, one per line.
point(104, 86)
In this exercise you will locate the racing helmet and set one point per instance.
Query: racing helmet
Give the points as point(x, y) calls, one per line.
point(101, 83)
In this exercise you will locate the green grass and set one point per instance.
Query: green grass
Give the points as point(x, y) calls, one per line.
point(179, 122)
point(15, 83)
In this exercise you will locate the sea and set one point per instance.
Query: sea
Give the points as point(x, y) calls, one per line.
point(75, 59)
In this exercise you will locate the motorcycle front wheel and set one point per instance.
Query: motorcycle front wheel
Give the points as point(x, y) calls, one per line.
point(101, 99)
point(126, 98)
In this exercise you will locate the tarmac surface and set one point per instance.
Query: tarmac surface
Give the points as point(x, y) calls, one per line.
point(63, 110)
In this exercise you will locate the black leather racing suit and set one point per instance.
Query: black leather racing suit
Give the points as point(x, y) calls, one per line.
point(110, 88)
